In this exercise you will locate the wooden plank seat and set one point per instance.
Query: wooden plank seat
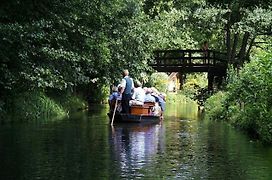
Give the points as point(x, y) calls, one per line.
point(142, 110)
point(149, 104)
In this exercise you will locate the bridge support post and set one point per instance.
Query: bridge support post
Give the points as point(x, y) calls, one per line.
point(182, 78)
point(218, 81)
point(210, 80)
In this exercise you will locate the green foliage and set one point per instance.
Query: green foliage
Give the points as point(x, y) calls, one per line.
point(177, 98)
point(248, 102)
point(71, 103)
point(231, 26)
point(159, 81)
point(99, 94)
point(214, 106)
point(62, 45)
point(194, 82)
point(252, 95)
point(73, 43)
point(208, 23)
point(33, 106)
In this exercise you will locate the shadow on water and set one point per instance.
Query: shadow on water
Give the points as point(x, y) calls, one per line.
point(85, 146)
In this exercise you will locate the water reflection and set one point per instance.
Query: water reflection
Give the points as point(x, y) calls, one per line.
point(135, 145)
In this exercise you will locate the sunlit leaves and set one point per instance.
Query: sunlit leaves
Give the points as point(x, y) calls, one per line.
point(249, 98)
point(159, 81)
point(260, 19)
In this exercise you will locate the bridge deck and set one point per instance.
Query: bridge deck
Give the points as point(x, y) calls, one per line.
point(190, 61)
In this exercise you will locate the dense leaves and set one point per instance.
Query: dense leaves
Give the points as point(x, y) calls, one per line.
point(63, 45)
point(233, 26)
point(248, 102)
point(252, 93)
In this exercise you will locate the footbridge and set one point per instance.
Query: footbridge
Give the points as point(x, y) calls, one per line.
point(187, 61)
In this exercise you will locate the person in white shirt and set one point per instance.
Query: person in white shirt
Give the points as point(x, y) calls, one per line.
point(138, 96)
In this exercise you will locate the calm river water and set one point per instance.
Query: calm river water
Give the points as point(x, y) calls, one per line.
point(85, 147)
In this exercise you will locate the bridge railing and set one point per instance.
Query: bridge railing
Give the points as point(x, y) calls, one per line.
point(189, 58)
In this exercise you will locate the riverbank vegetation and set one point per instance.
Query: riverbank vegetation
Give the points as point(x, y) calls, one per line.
point(34, 106)
point(39, 106)
point(247, 100)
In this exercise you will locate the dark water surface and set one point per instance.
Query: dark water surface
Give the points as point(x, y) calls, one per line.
point(85, 147)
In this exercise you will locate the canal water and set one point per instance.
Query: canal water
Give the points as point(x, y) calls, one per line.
point(84, 146)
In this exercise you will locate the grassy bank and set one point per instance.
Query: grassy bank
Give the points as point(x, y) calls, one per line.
point(30, 106)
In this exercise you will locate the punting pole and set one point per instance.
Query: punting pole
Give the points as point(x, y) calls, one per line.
point(114, 111)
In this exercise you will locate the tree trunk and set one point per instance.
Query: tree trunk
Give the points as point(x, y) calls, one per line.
point(228, 42)
point(250, 46)
point(234, 47)
point(242, 53)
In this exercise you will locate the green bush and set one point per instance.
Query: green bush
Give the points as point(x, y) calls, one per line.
point(252, 93)
point(99, 93)
point(33, 106)
point(248, 102)
point(194, 83)
point(214, 106)
point(177, 97)
point(159, 81)
point(73, 103)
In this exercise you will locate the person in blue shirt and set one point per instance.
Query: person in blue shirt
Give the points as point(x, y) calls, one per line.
point(148, 96)
point(115, 95)
point(159, 98)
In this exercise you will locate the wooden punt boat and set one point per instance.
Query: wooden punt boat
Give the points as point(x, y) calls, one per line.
point(138, 114)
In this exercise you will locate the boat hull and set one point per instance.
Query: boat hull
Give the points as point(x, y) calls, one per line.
point(131, 118)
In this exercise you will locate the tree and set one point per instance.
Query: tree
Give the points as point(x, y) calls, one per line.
point(68, 45)
point(240, 23)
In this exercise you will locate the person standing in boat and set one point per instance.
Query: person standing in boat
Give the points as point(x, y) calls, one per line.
point(127, 88)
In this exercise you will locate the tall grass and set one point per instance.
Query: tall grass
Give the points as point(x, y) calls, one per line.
point(72, 103)
point(33, 106)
